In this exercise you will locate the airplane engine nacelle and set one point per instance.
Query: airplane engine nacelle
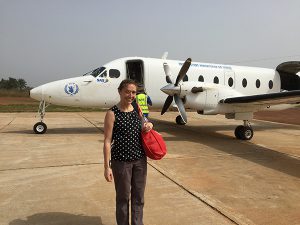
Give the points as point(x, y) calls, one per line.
point(196, 101)
point(206, 99)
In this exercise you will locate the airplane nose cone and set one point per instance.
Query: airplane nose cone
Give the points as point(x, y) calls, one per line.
point(37, 93)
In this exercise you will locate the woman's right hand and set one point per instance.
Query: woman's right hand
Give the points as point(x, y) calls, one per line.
point(108, 174)
point(147, 127)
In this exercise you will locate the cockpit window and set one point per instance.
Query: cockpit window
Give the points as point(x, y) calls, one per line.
point(95, 72)
point(113, 73)
point(104, 74)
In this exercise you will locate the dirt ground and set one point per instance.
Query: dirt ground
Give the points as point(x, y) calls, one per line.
point(289, 116)
point(16, 100)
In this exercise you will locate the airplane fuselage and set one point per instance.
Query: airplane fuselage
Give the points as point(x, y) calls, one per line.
point(219, 81)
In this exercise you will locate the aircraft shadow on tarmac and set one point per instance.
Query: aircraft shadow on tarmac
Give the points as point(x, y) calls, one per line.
point(58, 218)
point(63, 130)
point(208, 135)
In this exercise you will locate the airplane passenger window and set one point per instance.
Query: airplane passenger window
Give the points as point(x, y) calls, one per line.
point(270, 84)
point(257, 83)
point(230, 81)
point(201, 78)
point(244, 82)
point(216, 80)
point(113, 73)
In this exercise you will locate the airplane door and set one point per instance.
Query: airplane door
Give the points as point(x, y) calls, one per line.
point(229, 78)
point(135, 71)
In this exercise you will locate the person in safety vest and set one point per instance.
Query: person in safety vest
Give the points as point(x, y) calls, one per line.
point(143, 100)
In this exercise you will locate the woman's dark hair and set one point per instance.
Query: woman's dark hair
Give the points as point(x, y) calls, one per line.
point(126, 82)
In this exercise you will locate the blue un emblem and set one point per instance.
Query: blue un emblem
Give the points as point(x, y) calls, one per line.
point(71, 88)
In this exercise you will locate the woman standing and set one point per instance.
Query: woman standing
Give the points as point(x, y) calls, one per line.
point(122, 144)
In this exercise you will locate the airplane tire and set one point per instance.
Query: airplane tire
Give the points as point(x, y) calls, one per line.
point(243, 133)
point(238, 132)
point(40, 128)
point(179, 120)
point(247, 133)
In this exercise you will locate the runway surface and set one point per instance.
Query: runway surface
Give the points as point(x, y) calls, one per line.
point(207, 177)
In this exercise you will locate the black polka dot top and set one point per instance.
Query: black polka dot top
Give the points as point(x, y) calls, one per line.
point(126, 144)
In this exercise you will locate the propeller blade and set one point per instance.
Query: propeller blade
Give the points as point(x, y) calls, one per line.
point(167, 104)
point(185, 67)
point(181, 108)
point(168, 73)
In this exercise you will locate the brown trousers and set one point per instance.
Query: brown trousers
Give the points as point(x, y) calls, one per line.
point(130, 179)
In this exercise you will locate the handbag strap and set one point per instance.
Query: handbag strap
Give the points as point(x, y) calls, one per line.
point(138, 109)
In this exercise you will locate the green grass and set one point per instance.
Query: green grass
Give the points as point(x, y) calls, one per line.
point(51, 108)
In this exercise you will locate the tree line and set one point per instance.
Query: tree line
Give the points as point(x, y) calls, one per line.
point(12, 83)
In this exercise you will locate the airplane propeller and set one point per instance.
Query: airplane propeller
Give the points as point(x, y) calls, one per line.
point(173, 90)
point(167, 72)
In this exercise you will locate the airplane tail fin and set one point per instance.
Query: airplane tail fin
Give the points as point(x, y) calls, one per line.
point(288, 75)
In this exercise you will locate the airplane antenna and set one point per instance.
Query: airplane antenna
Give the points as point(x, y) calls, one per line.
point(165, 55)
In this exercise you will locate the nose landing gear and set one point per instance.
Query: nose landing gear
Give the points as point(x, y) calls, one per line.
point(244, 132)
point(41, 127)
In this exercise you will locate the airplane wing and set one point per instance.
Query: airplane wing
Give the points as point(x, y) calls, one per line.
point(287, 97)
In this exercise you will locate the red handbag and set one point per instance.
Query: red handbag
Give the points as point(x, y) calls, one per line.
point(152, 141)
point(154, 144)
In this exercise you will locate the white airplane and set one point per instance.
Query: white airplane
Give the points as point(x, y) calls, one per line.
point(210, 89)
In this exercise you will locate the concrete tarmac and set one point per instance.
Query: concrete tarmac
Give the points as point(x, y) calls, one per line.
point(207, 177)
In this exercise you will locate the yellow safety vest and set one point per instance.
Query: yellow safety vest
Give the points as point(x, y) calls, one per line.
point(141, 99)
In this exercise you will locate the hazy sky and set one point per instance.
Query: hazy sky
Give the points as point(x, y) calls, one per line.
point(47, 40)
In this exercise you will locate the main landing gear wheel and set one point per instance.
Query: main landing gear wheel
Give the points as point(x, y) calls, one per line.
point(179, 120)
point(40, 128)
point(243, 132)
